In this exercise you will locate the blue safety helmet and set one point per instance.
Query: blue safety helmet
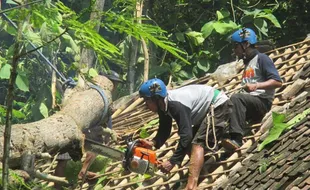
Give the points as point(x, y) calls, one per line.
point(153, 87)
point(243, 35)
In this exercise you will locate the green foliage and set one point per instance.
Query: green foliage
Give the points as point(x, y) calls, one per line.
point(263, 165)
point(195, 37)
point(92, 72)
point(85, 33)
point(5, 71)
point(198, 26)
point(279, 126)
point(100, 164)
point(16, 182)
point(22, 82)
point(43, 110)
point(72, 170)
point(259, 17)
point(143, 132)
point(155, 34)
point(276, 130)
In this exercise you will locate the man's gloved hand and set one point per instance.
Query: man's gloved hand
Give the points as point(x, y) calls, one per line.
point(166, 166)
point(146, 143)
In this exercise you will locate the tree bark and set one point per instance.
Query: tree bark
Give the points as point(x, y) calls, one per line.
point(88, 55)
point(132, 64)
point(18, 47)
point(82, 108)
point(139, 10)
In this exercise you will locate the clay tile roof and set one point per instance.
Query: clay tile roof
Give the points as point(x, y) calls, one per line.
point(284, 164)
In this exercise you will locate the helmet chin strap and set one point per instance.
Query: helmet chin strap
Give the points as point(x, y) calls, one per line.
point(243, 51)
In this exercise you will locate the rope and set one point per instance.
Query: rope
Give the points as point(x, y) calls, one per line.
point(208, 118)
point(105, 101)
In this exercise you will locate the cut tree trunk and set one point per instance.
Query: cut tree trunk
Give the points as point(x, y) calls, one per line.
point(82, 107)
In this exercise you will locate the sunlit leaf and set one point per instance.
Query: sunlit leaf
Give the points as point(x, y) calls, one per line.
point(18, 114)
point(207, 29)
point(219, 15)
point(196, 37)
point(271, 18)
point(153, 122)
point(11, 2)
point(22, 82)
point(222, 14)
point(92, 72)
point(223, 27)
point(203, 65)
point(147, 176)
point(254, 13)
point(43, 110)
point(5, 71)
point(276, 130)
point(143, 133)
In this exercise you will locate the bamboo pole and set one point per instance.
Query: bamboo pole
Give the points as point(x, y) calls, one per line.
point(133, 105)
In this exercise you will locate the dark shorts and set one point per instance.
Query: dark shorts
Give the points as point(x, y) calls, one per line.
point(94, 133)
point(221, 122)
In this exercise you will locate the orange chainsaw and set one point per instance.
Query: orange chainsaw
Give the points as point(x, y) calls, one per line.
point(135, 159)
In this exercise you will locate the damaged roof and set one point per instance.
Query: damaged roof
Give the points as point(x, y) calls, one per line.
point(284, 163)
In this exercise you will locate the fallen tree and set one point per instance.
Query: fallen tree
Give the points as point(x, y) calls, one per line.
point(62, 132)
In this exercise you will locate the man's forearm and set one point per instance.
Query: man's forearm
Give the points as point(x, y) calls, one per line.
point(269, 84)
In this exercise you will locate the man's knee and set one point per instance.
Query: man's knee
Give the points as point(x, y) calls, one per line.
point(236, 98)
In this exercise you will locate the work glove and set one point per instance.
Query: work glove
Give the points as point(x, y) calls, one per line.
point(166, 167)
point(146, 143)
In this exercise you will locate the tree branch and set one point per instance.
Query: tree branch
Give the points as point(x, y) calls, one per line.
point(37, 48)
point(19, 6)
